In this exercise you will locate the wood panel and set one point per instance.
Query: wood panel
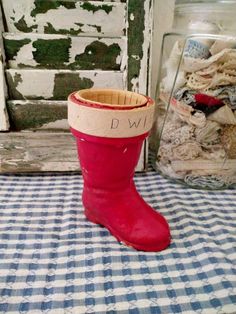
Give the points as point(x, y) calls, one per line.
point(58, 84)
point(139, 33)
point(64, 52)
point(38, 115)
point(41, 152)
point(4, 122)
point(65, 17)
point(37, 151)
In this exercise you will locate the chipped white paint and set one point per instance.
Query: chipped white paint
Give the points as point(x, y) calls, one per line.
point(145, 62)
point(38, 102)
point(40, 83)
point(49, 111)
point(4, 122)
point(25, 56)
point(106, 79)
point(131, 17)
point(135, 57)
point(78, 19)
point(58, 125)
point(78, 46)
point(34, 83)
point(135, 84)
point(1, 39)
point(124, 59)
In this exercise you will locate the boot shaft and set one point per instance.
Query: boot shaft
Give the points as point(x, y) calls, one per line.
point(108, 163)
point(110, 127)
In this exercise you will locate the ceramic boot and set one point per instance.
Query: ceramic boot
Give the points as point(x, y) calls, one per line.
point(110, 127)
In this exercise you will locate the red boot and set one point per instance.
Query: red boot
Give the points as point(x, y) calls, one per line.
point(109, 141)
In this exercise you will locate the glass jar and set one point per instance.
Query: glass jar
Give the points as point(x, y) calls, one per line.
point(195, 130)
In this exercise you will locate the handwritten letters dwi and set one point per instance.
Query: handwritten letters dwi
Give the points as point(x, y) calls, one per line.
point(110, 123)
point(131, 123)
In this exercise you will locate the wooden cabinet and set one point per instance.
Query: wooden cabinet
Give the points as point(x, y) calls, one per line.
point(51, 48)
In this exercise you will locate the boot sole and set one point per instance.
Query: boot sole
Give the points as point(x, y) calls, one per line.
point(138, 247)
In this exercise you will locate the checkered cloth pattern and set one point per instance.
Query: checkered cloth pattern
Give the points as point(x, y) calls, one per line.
point(52, 260)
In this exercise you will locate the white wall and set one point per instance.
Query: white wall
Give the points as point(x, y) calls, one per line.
point(163, 11)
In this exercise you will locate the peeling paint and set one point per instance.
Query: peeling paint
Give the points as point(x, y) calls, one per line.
point(22, 26)
point(65, 52)
point(49, 29)
point(135, 40)
point(12, 47)
point(52, 52)
point(31, 115)
point(34, 84)
point(4, 119)
point(13, 82)
point(65, 17)
point(58, 84)
point(57, 125)
point(17, 79)
point(44, 6)
point(66, 83)
point(97, 27)
point(91, 7)
point(99, 55)
point(135, 84)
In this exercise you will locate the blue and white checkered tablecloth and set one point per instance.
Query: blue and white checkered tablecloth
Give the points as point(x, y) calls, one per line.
point(52, 260)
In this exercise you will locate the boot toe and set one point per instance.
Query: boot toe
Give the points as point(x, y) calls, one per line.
point(150, 239)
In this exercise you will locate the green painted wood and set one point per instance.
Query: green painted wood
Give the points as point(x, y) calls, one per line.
point(139, 39)
point(4, 120)
point(57, 84)
point(63, 52)
point(38, 114)
point(94, 18)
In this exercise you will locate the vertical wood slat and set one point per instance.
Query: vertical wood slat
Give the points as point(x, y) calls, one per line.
point(4, 120)
point(139, 38)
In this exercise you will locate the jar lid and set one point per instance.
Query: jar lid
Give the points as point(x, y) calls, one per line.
point(206, 7)
point(206, 16)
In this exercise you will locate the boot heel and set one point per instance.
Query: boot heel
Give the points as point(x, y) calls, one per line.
point(90, 216)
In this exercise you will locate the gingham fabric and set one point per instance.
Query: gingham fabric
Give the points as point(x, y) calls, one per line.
point(52, 260)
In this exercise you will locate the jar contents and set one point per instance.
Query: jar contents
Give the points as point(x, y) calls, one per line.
point(197, 132)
